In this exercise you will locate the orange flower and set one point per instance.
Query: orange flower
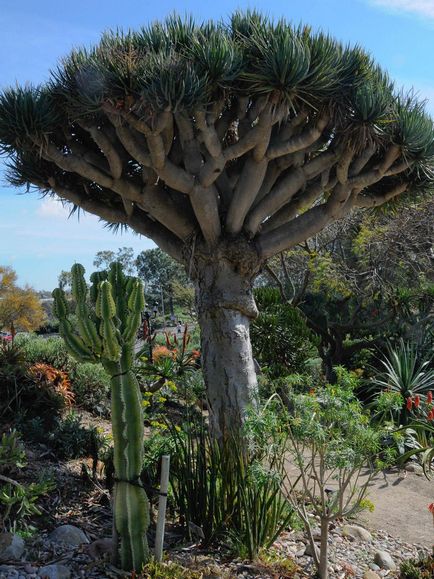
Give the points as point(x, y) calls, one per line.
point(429, 397)
point(417, 401)
point(409, 403)
point(161, 352)
point(430, 415)
point(48, 377)
point(431, 510)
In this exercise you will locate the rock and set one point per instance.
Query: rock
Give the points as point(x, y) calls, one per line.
point(68, 534)
point(374, 567)
point(370, 575)
point(11, 547)
point(9, 572)
point(308, 551)
point(356, 533)
point(414, 467)
point(300, 552)
point(384, 560)
point(55, 571)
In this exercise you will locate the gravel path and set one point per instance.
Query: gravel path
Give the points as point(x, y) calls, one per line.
point(401, 502)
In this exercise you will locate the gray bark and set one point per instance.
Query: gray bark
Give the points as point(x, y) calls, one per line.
point(226, 307)
point(323, 563)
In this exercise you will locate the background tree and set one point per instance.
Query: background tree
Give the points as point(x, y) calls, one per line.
point(224, 143)
point(160, 272)
point(65, 280)
point(8, 278)
point(362, 282)
point(20, 308)
point(124, 256)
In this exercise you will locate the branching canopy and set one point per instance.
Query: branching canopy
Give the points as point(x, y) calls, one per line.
point(191, 134)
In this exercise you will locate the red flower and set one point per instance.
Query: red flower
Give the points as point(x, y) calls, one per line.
point(429, 397)
point(409, 403)
point(417, 401)
point(430, 415)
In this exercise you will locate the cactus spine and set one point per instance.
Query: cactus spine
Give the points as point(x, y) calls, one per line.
point(106, 333)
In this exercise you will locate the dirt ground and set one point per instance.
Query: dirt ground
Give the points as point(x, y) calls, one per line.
point(401, 502)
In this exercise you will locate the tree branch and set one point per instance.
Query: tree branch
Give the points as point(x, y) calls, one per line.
point(304, 226)
point(278, 196)
point(247, 188)
point(299, 142)
point(205, 207)
point(375, 200)
point(106, 147)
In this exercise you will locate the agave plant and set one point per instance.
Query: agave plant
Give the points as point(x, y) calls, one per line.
point(405, 372)
point(424, 452)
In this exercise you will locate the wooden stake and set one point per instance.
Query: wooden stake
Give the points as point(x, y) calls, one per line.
point(162, 502)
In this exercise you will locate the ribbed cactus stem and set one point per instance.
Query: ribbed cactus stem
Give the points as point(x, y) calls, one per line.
point(131, 507)
point(106, 333)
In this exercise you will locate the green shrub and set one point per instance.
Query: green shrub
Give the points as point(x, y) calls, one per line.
point(18, 501)
point(422, 568)
point(35, 390)
point(221, 491)
point(281, 341)
point(332, 441)
point(91, 386)
point(68, 439)
point(12, 453)
point(12, 373)
point(50, 351)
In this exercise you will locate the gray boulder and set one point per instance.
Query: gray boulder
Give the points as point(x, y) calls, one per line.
point(370, 575)
point(55, 571)
point(11, 547)
point(384, 560)
point(70, 535)
point(356, 533)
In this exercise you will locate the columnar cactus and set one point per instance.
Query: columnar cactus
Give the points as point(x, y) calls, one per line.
point(105, 332)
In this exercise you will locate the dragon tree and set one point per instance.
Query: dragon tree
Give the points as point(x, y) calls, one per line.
point(225, 143)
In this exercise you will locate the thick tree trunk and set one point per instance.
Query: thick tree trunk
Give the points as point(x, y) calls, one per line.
point(225, 306)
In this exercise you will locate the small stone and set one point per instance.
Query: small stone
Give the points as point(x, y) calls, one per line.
point(370, 575)
point(69, 534)
point(309, 551)
point(300, 552)
point(414, 467)
point(356, 533)
point(55, 571)
point(384, 560)
point(11, 547)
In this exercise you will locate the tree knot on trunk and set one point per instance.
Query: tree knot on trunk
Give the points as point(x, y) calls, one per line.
point(224, 279)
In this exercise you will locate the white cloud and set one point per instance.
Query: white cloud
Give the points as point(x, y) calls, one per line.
point(424, 8)
point(52, 209)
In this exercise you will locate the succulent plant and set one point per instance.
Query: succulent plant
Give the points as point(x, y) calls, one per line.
point(108, 317)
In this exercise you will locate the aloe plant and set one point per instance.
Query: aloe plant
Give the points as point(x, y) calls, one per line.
point(406, 372)
point(105, 332)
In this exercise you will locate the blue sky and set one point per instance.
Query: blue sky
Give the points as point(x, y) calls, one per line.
point(36, 237)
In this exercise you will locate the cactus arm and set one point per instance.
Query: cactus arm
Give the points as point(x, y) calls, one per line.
point(86, 327)
point(75, 344)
